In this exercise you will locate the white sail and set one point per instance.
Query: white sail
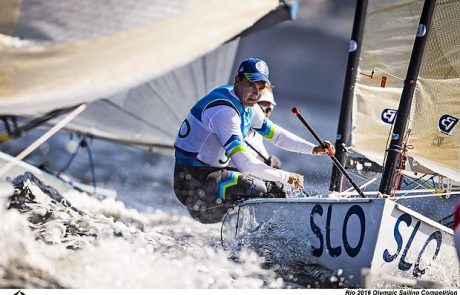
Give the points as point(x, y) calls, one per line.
point(435, 134)
point(65, 56)
point(149, 115)
point(387, 45)
point(388, 39)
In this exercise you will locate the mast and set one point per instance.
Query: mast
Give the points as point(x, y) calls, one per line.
point(344, 125)
point(397, 137)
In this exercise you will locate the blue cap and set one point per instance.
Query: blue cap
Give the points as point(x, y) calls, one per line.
point(254, 69)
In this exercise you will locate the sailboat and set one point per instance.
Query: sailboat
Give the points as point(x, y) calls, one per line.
point(402, 92)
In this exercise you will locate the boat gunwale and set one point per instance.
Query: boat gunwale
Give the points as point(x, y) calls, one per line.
point(257, 201)
point(424, 219)
point(307, 200)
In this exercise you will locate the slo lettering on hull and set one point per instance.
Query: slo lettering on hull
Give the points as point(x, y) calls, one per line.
point(403, 264)
point(324, 239)
point(403, 243)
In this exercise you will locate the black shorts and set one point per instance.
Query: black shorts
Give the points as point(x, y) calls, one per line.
point(209, 192)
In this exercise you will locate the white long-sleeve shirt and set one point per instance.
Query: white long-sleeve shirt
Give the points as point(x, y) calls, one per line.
point(214, 132)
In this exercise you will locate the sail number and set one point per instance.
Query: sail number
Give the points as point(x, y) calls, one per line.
point(324, 239)
point(404, 265)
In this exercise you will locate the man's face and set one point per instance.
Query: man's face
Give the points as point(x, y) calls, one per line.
point(249, 92)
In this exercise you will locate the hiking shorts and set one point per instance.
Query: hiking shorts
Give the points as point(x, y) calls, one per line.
point(209, 192)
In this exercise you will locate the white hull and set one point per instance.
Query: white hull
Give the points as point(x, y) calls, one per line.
point(332, 240)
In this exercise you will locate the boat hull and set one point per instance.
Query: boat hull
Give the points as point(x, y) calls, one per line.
point(328, 242)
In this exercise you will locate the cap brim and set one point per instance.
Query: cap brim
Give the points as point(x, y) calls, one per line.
point(255, 77)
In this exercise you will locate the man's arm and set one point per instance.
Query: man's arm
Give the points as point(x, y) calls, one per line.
point(226, 123)
point(284, 139)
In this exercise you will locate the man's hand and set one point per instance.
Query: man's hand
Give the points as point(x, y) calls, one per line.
point(296, 180)
point(329, 150)
point(274, 162)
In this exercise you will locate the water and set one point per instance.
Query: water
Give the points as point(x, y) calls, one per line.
point(144, 238)
point(103, 244)
point(291, 250)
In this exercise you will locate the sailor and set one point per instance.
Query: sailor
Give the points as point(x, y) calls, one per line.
point(254, 140)
point(214, 132)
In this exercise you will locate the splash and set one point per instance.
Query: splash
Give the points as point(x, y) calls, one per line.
point(77, 241)
point(282, 250)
